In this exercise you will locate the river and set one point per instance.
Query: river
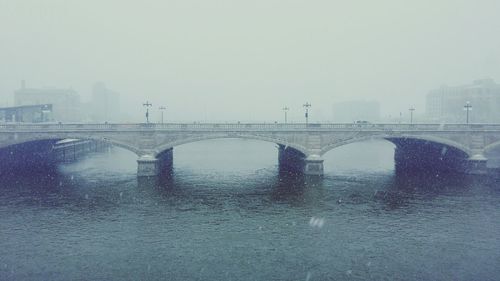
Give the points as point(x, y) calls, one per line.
point(226, 214)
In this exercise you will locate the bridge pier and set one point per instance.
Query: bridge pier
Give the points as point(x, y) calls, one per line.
point(476, 165)
point(313, 166)
point(418, 156)
point(294, 161)
point(165, 162)
point(148, 166)
point(290, 160)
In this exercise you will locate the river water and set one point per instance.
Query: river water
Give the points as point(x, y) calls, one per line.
point(226, 214)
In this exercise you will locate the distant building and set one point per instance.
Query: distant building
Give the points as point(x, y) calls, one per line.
point(105, 104)
point(66, 106)
point(352, 111)
point(446, 104)
point(27, 113)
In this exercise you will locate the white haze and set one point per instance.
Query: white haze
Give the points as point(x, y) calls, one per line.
point(244, 60)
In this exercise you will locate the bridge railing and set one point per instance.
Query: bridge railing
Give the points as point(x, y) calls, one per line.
point(243, 127)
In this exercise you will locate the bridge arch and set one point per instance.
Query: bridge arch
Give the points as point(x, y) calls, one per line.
point(387, 137)
point(491, 147)
point(112, 141)
point(302, 149)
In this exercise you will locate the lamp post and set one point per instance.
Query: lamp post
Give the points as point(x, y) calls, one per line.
point(306, 106)
point(285, 109)
point(147, 105)
point(467, 107)
point(411, 109)
point(162, 108)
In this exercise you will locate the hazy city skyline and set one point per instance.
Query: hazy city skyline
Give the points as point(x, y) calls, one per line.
point(245, 60)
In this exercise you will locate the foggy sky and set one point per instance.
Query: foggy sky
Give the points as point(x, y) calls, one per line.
point(244, 60)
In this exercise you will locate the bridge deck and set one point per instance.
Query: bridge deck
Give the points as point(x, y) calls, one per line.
point(30, 127)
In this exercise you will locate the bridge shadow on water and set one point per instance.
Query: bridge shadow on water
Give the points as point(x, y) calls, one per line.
point(380, 190)
point(71, 187)
point(256, 191)
point(88, 186)
point(403, 189)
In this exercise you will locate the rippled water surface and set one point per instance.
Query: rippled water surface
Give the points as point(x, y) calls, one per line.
point(226, 214)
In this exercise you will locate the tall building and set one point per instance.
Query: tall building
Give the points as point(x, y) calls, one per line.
point(352, 111)
point(105, 104)
point(446, 104)
point(66, 106)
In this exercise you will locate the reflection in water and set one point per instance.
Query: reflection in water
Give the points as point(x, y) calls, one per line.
point(219, 217)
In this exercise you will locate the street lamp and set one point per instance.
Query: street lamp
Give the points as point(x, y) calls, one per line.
point(147, 105)
point(162, 108)
point(306, 106)
point(467, 107)
point(285, 109)
point(411, 109)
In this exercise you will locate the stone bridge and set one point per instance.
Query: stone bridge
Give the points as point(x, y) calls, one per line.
point(457, 147)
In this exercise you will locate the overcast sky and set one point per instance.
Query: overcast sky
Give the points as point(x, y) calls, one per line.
point(245, 60)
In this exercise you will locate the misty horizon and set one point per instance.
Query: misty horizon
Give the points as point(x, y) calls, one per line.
point(244, 61)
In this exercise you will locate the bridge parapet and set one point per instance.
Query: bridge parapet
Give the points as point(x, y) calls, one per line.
point(247, 127)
